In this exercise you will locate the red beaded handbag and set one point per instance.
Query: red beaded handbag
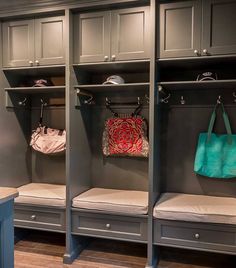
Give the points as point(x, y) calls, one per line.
point(125, 135)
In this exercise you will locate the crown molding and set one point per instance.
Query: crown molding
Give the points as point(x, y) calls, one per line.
point(19, 7)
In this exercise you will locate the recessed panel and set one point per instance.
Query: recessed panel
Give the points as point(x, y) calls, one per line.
point(52, 39)
point(131, 32)
point(223, 28)
point(92, 36)
point(19, 42)
point(179, 28)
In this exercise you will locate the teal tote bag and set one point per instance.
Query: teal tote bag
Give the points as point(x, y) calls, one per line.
point(216, 154)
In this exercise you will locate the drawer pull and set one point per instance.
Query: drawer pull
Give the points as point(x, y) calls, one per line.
point(197, 236)
point(33, 217)
point(108, 226)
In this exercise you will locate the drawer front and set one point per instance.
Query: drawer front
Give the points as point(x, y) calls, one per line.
point(196, 235)
point(33, 217)
point(128, 228)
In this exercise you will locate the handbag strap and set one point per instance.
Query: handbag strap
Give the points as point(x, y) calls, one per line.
point(134, 113)
point(41, 114)
point(226, 122)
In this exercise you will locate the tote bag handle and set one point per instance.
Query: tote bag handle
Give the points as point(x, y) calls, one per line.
point(226, 122)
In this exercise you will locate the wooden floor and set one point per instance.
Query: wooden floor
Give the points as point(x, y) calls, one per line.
point(45, 250)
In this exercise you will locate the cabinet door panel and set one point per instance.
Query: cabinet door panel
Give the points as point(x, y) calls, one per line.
point(180, 29)
point(18, 43)
point(49, 40)
point(219, 24)
point(130, 34)
point(92, 37)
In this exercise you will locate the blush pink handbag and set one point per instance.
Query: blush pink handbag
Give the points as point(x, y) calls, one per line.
point(48, 140)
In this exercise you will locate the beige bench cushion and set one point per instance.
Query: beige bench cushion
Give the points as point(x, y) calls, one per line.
point(196, 208)
point(122, 201)
point(42, 194)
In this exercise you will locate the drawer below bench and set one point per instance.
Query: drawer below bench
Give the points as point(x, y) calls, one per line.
point(41, 218)
point(130, 228)
point(201, 236)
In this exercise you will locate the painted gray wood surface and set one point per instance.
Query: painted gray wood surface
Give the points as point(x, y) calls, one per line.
point(18, 43)
point(219, 25)
point(85, 166)
point(78, 154)
point(126, 227)
point(15, 129)
point(40, 218)
point(200, 236)
point(7, 235)
point(29, 7)
point(33, 42)
point(197, 28)
point(130, 34)
point(92, 37)
point(49, 41)
point(121, 34)
point(178, 157)
point(180, 29)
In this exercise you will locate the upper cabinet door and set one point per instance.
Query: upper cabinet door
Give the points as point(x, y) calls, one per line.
point(180, 29)
point(92, 37)
point(130, 34)
point(219, 27)
point(18, 43)
point(49, 41)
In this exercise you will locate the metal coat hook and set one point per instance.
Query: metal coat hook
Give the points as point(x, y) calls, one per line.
point(138, 100)
point(182, 100)
point(234, 95)
point(147, 98)
point(85, 93)
point(219, 100)
point(43, 103)
point(164, 99)
point(23, 103)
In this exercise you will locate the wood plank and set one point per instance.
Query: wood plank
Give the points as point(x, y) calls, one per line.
point(42, 250)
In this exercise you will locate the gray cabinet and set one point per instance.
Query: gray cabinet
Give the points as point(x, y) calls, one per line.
point(219, 21)
point(18, 43)
point(196, 235)
point(112, 35)
point(197, 28)
point(180, 29)
point(42, 218)
point(129, 228)
point(92, 37)
point(33, 42)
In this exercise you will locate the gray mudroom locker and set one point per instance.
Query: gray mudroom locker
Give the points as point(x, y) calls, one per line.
point(73, 67)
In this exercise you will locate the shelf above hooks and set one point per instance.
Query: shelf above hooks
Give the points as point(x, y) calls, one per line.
point(111, 87)
point(199, 85)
